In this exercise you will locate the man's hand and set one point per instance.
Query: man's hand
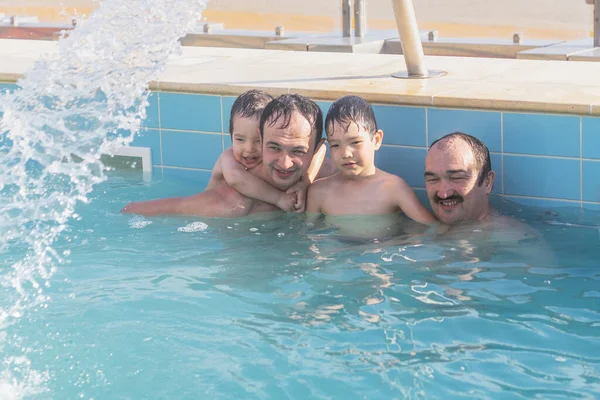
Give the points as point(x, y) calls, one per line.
point(299, 189)
point(287, 202)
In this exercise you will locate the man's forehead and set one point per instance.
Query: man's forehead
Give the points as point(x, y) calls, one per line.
point(297, 129)
point(450, 155)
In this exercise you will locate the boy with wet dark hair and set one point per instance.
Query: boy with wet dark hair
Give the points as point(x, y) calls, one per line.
point(234, 165)
point(245, 153)
point(360, 188)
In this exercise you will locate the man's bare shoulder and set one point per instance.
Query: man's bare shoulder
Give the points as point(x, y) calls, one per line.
point(512, 228)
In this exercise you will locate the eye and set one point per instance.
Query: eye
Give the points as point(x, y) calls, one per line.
point(457, 178)
point(273, 148)
point(334, 145)
point(299, 152)
point(357, 142)
point(239, 139)
point(432, 180)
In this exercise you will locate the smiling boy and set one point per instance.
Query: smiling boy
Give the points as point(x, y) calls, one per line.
point(234, 167)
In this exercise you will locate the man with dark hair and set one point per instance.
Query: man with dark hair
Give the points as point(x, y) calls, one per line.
point(459, 178)
point(291, 128)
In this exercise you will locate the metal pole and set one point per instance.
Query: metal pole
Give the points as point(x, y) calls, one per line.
point(360, 18)
point(406, 21)
point(347, 18)
point(597, 23)
point(596, 15)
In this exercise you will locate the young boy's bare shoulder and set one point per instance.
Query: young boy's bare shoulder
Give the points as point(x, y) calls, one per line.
point(392, 178)
point(393, 183)
point(325, 184)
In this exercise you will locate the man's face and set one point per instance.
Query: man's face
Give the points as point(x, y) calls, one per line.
point(287, 152)
point(451, 181)
point(352, 148)
point(245, 141)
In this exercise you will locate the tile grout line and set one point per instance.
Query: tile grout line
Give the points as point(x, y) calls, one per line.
point(502, 148)
point(222, 125)
point(192, 131)
point(160, 143)
point(541, 198)
point(426, 128)
point(186, 168)
point(581, 161)
point(541, 156)
point(403, 146)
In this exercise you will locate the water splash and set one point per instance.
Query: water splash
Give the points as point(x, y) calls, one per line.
point(71, 107)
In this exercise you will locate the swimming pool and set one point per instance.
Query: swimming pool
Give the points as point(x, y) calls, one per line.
point(191, 308)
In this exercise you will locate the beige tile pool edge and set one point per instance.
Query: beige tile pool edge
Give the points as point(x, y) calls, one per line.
point(479, 83)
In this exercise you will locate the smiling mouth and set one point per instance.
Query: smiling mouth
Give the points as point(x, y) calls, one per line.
point(283, 174)
point(250, 160)
point(449, 204)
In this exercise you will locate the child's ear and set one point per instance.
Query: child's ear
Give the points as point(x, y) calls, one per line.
point(377, 139)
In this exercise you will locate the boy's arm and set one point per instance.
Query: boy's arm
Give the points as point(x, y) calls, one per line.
point(300, 189)
point(409, 203)
point(239, 178)
point(216, 177)
point(316, 163)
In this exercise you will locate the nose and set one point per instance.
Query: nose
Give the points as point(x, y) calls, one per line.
point(249, 147)
point(347, 152)
point(286, 162)
point(445, 189)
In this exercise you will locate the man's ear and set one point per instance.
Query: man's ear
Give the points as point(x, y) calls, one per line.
point(377, 139)
point(489, 182)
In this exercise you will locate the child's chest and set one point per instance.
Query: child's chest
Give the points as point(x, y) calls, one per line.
point(352, 199)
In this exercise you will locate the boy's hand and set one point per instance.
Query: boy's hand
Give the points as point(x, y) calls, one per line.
point(300, 189)
point(287, 202)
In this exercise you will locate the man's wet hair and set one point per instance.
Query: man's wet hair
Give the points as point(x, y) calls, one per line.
point(479, 149)
point(349, 109)
point(250, 104)
point(282, 108)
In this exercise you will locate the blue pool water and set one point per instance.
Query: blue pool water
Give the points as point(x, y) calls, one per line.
point(188, 308)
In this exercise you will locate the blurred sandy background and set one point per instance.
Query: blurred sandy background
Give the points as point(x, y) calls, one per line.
point(556, 19)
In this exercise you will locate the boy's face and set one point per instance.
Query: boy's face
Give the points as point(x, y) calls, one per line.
point(352, 149)
point(245, 141)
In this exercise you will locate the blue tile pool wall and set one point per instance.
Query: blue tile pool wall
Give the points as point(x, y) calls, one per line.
point(538, 158)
